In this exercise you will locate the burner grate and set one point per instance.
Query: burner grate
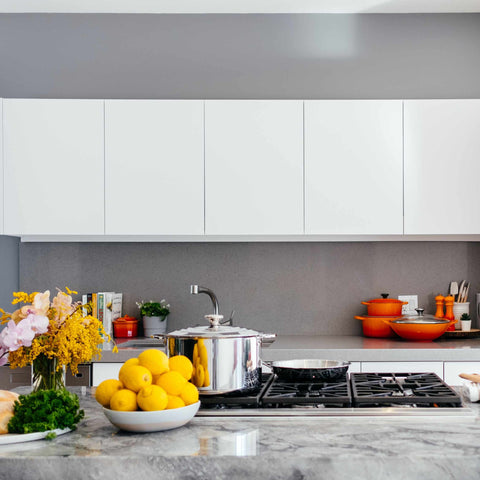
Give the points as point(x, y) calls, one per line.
point(282, 394)
point(393, 389)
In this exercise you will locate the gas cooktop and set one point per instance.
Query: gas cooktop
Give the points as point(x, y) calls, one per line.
point(357, 394)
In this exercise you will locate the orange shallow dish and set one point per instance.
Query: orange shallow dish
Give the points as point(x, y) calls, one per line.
point(422, 330)
point(376, 327)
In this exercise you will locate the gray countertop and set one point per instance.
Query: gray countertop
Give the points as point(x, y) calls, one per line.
point(351, 348)
point(270, 448)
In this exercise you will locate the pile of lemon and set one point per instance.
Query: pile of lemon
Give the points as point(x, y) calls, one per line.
point(152, 381)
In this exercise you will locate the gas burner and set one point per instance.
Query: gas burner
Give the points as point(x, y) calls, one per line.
point(395, 389)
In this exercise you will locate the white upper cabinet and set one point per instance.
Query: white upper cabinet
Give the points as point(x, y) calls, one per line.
point(1, 166)
point(353, 167)
point(442, 166)
point(53, 155)
point(154, 167)
point(254, 167)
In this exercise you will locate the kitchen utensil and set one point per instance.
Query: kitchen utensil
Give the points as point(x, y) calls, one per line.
point(464, 295)
point(228, 356)
point(439, 300)
point(384, 307)
point(460, 291)
point(155, 421)
point(309, 369)
point(376, 327)
point(453, 289)
point(449, 301)
point(420, 327)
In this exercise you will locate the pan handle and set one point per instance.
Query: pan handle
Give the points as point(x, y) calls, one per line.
point(267, 339)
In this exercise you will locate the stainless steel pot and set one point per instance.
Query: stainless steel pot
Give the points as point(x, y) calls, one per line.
point(225, 358)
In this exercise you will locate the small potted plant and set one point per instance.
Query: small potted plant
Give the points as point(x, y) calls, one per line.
point(466, 322)
point(154, 316)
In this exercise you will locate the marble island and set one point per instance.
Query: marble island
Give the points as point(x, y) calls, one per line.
point(267, 448)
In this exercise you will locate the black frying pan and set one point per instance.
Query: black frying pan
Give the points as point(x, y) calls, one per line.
point(309, 369)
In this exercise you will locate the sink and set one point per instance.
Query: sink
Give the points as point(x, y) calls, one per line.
point(142, 343)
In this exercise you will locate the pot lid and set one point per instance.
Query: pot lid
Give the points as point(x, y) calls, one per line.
point(215, 330)
point(385, 299)
point(420, 318)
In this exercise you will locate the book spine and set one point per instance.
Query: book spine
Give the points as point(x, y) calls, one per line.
point(89, 301)
point(107, 316)
point(101, 308)
point(117, 305)
point(94, 305)
point(84, 303)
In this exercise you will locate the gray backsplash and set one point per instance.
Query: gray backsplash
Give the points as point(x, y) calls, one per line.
point(285, 288)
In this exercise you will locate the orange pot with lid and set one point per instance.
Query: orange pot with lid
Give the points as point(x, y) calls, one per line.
point(125, 327)
point(376, 326)
point(384, 307)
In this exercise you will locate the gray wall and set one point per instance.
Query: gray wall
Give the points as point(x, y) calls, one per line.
point(288, 287)
point(9, 271)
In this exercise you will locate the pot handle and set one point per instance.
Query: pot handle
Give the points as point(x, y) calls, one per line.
point(267, 339)
point(366, 303)
point(358, 317)
point(160, 336)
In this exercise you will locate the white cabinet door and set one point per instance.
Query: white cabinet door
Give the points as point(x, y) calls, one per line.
point(442, 166)
point(403, 367)
point(104, 371)
point(154, 167)
point(53, 154)
point(453, 370)
point(353, 167)
point(254, 167)
point(1, 166)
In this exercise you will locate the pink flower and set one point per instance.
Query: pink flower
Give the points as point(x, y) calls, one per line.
point(38, 323)
point(41, 303)
point(62, 304)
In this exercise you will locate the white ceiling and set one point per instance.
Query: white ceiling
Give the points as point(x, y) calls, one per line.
point(239, 6)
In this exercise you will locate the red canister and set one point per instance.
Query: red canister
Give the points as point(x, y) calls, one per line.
point(125, 327)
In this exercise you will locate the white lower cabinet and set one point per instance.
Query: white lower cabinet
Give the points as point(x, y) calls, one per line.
point(453, 369)
point(355, 367)
point(403, 367)
point(104, 371)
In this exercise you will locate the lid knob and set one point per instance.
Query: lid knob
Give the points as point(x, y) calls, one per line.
point(384, 295)
point(420, 311)
point(214, 320)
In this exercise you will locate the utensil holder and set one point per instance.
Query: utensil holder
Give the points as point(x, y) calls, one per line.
point(458, 310)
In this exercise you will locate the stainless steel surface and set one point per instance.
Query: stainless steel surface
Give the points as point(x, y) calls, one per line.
point(455, 414)
point(310, 369)
point(196, 289)
point(232, 363)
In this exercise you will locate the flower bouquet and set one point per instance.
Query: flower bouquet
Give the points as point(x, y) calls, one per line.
point(49, 336)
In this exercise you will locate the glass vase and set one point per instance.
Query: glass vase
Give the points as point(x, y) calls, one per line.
point(46, 375)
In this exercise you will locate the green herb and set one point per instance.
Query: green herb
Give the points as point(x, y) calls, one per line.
point(154, 309)
point(45, 410)
point(465, 316)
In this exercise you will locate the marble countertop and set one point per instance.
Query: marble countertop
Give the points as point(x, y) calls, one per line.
point(268, 448)
point(351, 348)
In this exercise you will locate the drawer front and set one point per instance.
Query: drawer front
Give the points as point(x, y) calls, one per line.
point(81, 379)
point(17, 377)
point(453, 369)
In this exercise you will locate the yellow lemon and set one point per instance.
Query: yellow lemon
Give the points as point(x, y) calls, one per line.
point(171, 382)
point(155, 360)
point(152, 398)
point(124, 400)
point(105, 391)
point(189, 393)
point(174, 402)
point(129, 363)
point(182, 365)
point(200, 376)
point(206, 382)
point(136, 377)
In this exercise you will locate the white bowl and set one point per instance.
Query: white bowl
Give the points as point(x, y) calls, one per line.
point(155, 421)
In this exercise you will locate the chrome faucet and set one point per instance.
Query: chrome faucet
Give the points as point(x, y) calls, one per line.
point(196, 289)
